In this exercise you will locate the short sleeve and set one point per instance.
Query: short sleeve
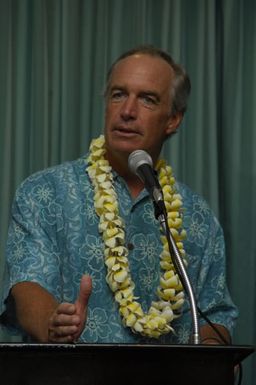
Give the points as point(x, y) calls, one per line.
point(213, 295)
point(32, 249)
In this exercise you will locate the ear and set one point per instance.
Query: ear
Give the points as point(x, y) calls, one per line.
point(173, 123)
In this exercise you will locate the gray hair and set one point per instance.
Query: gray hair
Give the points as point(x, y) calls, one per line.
point(181, 84)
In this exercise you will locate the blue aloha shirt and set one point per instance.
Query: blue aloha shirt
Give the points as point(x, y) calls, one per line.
point(53, 239)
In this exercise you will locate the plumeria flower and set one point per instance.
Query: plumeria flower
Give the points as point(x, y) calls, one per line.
point(170, 291)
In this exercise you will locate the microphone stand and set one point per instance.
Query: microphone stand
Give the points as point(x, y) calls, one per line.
point(160, 214)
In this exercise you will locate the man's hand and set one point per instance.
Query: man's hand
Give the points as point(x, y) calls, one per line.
point(210, 337)
point(68, 320)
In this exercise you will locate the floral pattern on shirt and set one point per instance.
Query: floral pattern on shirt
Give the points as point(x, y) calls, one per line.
point(53, 239)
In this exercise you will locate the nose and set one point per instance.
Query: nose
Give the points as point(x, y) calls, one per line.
point(129, 109)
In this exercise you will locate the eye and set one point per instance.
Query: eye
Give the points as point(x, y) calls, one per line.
point(149, 100)
point(117, 95)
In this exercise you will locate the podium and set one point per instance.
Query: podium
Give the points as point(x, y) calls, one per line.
point(114, 364)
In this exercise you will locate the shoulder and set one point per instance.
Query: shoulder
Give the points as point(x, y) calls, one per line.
point(43, 186)
point(59, 174)
point(199, 219)
point(63, 170)
point(194, 202)
point(191, 199)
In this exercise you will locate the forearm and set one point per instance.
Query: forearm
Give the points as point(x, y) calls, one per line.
point(34, 306)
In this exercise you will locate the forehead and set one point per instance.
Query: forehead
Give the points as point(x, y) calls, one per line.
point(142, 70)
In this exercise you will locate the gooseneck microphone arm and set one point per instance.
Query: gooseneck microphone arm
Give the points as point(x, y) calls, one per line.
point(140, 163)
point(182, 273)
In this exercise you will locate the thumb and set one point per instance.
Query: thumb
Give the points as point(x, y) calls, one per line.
point(85, 292)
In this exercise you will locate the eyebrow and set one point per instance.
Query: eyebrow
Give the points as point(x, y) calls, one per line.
point(117, 87)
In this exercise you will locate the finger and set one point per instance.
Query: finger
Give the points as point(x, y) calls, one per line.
point(64, 320)
point(52, 337)
point(62, 331)
point(62, 340)
point(66, 308)
point(85, 292)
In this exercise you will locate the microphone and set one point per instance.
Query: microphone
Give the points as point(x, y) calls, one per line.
point(140, 163)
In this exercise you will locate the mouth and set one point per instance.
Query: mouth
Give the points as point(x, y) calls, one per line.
point(126, 131)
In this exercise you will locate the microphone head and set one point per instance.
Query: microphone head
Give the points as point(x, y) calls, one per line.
point(138, 158)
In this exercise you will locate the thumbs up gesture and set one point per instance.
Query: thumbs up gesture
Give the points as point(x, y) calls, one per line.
point(68, 320)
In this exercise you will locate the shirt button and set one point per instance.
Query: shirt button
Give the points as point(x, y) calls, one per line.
point(130, 246)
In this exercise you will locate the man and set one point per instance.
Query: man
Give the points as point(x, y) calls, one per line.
point(67, 219)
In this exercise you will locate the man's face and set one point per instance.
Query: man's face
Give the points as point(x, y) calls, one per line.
point(138, 105)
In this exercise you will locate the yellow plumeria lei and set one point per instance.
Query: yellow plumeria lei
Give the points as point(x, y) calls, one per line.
point(170, 291)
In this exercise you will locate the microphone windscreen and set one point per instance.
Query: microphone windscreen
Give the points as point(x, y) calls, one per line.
point(138, 158)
